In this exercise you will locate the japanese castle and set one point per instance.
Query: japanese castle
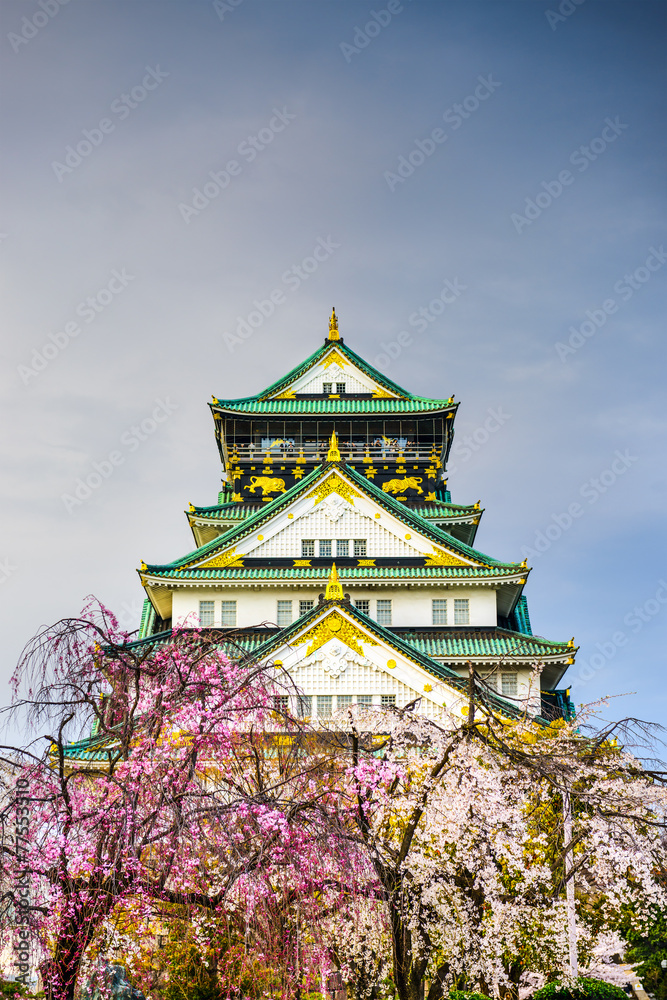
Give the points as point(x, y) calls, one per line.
point(336, 553)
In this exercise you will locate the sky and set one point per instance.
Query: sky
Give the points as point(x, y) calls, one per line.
point(485, 182)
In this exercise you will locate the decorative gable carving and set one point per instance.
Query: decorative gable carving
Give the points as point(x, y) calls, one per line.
point(335, 658)
point(335, 626)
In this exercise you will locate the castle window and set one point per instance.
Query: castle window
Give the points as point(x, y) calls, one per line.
point(383, 616)
point(359, 548)
point(206, 613)
point(307, 548)
point(462, 612)
point(387, 700)
point(365, 700)
point(325, 548)
point(324, 706)
point(305, 607)
point(281, 703)
point(343, 701)
point(305, 705)
point(439, 612)
point(228, 613)
point(284, 614)
point(509, 684)
point(363, 606)
point(343, 548)
point(326, 387)
point(340, 387)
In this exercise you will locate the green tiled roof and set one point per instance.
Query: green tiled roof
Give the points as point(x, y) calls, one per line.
point(383, 499)
point(452, 643)
point(484, 642)
point(437, 511)
point(331, 407)
point(225, 511)
point(92, 749)
point(321, 573)
point(317, 355)
point(440, 511)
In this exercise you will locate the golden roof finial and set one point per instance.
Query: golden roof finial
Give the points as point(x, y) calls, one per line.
point(334, 591)
point(333, 455)
point(333, 326)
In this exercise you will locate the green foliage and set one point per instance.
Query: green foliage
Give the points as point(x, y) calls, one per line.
point(462, 995)
point(189, 977)
point(581, 989)
point(646, 951)
point(10, 989)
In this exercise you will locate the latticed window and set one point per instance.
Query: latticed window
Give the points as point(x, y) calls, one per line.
point(305, 705)
point(384, 612)
point(281, 703)
point(307, 548)
point(343, 548)
point(387, 699)
point(324, 706)
point(206, 613)
point(509, 684)
point(343, 701)
point(228, 616)
point(325, 548)
point(340, 387)
point(363, 606)
point(462, 611)
point(359, 547)
point(439, 612)
point(326, 387)
point(365, 699)
point(305, 607)
point(284, 613)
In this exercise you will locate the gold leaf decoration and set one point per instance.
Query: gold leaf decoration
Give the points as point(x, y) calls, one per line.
point(334, 358)
point(224, 560)
point(334, 484)
point(335, 626)
point(441, 557)
point(287, 394)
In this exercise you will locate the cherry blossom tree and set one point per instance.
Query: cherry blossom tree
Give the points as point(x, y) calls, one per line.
point(462, 825)
point(172, 801)
point(410, 854)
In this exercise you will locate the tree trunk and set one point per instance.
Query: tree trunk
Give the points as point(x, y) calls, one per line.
point(76, 930)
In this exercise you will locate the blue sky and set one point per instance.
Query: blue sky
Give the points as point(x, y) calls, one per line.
point(530, 137)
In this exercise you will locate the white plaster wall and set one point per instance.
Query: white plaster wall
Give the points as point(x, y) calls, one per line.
point(528, 685)
point(410, 606)
point(352, 384)
point(380, 543)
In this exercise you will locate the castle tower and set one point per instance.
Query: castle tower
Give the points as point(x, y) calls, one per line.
point(335, 549)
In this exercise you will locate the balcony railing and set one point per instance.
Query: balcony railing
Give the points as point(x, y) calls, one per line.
point(315, 452)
